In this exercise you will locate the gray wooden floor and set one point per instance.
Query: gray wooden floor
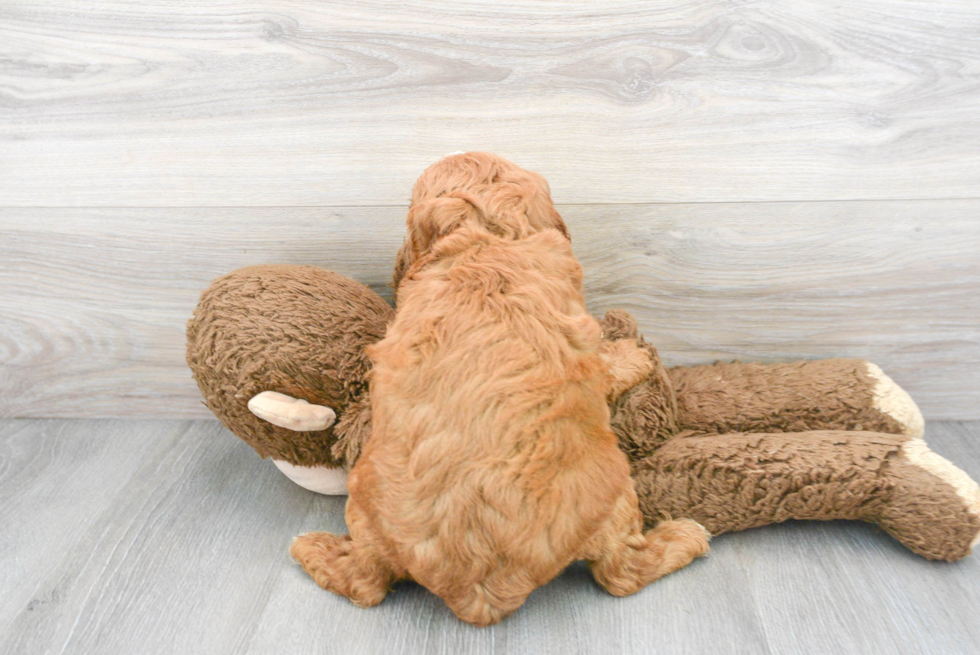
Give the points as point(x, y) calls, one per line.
point(153, 536)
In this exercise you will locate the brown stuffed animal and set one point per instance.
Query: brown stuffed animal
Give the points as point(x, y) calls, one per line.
point(277, 352)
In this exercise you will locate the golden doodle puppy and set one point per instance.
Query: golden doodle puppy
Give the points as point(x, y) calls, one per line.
point(491, 465)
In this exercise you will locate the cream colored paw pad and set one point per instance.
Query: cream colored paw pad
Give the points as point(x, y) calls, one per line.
point(917, 452)
point(893, 400)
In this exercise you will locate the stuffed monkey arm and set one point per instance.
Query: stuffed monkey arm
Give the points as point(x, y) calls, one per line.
point(830, 394)
point(737, 481)
point(836, 394)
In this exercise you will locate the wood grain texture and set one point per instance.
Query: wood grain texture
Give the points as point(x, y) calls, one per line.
point(93, 302)
point(171, 537)
point(343, 103)
point(158, 544)
point(847, 588)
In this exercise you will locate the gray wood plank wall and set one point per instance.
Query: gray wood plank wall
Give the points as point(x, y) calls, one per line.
point(755, 180)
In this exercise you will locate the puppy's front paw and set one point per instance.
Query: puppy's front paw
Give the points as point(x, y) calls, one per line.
point(683, 539)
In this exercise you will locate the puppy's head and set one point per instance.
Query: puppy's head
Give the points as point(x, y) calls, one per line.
point(479, 192)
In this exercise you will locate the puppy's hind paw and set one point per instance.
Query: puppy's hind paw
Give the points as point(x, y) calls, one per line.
point(318, 547)
point(332, 563)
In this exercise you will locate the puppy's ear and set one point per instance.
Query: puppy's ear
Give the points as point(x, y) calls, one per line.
point(430, 220)
point(559, 223)
point(540, 210)
point(402, 263)
point(544, 216)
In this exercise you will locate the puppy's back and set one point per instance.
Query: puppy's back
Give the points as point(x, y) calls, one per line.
point(491, 460)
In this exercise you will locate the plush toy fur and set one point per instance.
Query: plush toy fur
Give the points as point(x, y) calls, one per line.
point(731, 446)
point(297, 330)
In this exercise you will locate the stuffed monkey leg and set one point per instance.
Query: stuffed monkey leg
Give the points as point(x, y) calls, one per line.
point(829, 394)
point(737, 481)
